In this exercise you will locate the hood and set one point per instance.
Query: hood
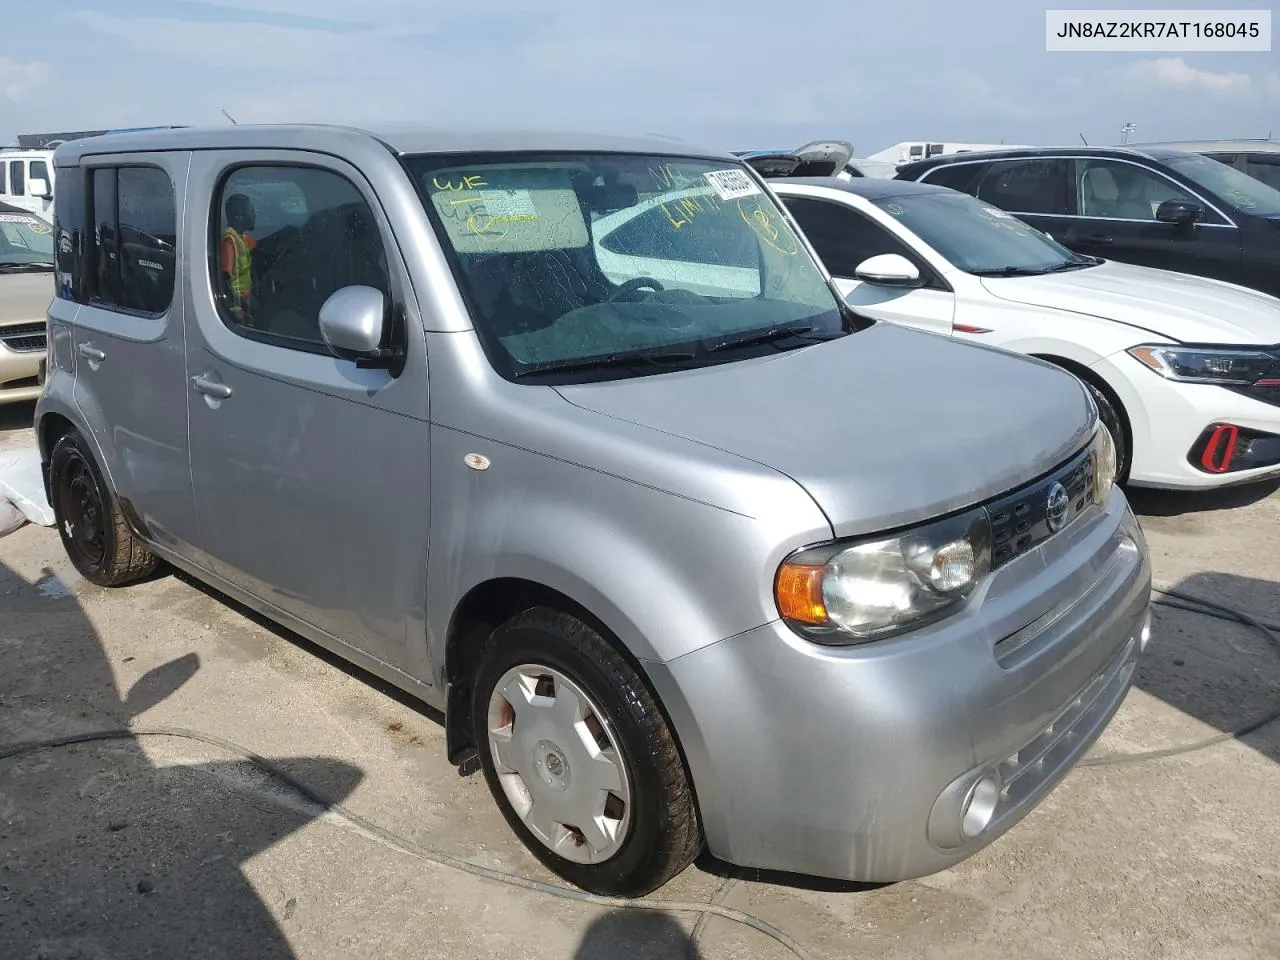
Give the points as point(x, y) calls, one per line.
point(25, 297)
point(883, 428)
point(1173, 305)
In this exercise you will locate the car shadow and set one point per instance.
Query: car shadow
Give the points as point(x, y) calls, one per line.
point(1149, 502)
point(103, 851)
point(17, 416)
point(1224, 675)
point(636, 935)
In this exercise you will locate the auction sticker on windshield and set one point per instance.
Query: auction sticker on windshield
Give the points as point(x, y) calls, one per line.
point(731, 184)
point(17, 218)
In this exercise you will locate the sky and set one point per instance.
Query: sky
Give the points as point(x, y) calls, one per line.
point(734, 74)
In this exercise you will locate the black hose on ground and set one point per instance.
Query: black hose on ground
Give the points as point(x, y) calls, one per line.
point(705, 911)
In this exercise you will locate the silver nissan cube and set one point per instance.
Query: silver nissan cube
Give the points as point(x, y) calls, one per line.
point(572, 438)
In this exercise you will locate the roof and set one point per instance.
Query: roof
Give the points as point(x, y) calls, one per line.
point(873, 188)
point(398, 138)
point(980, 155)
point(1214, 146)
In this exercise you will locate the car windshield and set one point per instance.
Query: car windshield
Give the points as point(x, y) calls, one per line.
point(593, 266)
point(1238, 189)
point(979, 238)
point(25, 241)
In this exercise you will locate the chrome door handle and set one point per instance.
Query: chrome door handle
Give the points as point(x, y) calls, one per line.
point(211, 388)
point(91, 353)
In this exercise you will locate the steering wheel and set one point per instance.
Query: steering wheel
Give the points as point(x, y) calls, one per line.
point(631, 286)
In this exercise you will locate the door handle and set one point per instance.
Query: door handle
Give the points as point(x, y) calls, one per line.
point(90, 352)
point(1097, 238)
point(211, 388)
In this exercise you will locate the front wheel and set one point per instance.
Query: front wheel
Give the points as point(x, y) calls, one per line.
point(1113, 420)
point(579, 757)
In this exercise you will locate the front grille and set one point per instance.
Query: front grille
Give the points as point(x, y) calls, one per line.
point(24, 337)
point(1020, 520)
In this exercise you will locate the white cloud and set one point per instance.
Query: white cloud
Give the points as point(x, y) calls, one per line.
point(1175, 74)
point(19, 80)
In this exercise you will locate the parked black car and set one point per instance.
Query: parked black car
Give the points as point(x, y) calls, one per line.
point(1154, 206)
point(1260, 159)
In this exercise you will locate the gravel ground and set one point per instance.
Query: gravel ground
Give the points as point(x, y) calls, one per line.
point(171, 848)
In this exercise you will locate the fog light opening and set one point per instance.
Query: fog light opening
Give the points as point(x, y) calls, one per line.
point(979, 806)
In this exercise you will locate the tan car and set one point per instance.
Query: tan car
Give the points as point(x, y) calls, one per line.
point(26, 287)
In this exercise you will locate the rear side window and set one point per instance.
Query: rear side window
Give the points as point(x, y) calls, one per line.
point(285, 239)
point(17, 178)
point(69, 220)
point(959, 176)
point(1025, 186)
point(133, 247)
point(4, 179)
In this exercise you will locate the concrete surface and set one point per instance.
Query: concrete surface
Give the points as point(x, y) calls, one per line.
point(175, 849)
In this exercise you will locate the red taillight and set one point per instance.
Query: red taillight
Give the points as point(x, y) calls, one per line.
point(1220, 448)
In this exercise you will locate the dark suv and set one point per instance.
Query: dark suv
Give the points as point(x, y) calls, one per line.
point(1155, 206)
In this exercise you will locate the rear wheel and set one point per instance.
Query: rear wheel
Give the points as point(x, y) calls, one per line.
point(579, 757)
point(93, 529)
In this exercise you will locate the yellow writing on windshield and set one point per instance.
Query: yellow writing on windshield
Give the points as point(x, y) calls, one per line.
point(466, 183)
point(668, 177)
point(472, 211)
point(683, 211)
point(767, 227)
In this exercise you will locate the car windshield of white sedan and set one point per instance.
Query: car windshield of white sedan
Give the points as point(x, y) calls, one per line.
point(612, 265)
point(25, 241)
point(979, 238)
point(1238, 189)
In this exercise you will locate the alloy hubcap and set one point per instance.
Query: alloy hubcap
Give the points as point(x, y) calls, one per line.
point(559, 764)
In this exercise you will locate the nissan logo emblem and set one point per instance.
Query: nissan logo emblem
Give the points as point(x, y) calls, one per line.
point(1057, 508)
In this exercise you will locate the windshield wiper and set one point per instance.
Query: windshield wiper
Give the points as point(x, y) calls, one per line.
point(1072, 265)
point(764, 336)
point(605, 362)
point(1012, 271)
point(1008, 272)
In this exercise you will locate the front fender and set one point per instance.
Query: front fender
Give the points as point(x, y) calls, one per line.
point(665, 574)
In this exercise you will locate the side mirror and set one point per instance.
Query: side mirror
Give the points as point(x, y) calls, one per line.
point(1181, 212)
point(888, 270)
point(39, 188)
point(353, 322)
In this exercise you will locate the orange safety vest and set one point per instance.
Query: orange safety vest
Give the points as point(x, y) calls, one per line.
point(241, 268)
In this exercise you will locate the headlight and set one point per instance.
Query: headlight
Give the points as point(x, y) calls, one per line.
point(1237, 365)
point(1102, 451)
point(851, 593)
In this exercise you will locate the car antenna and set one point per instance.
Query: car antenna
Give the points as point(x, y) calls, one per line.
point(1083, 140)
point(230, 117)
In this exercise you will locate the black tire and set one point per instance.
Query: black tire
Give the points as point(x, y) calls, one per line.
point(663, 836)
point(1114, 421)
point(93, 529)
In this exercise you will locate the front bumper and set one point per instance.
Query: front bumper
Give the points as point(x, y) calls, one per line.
point(1171, 421)
point(20, 369)
point(856, 763)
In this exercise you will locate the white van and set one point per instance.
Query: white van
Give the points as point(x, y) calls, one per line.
point(26, 180)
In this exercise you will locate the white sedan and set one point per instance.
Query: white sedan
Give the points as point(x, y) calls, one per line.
point(1185, 370)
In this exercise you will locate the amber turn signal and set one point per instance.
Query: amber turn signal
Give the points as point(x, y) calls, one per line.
point(798, 592)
